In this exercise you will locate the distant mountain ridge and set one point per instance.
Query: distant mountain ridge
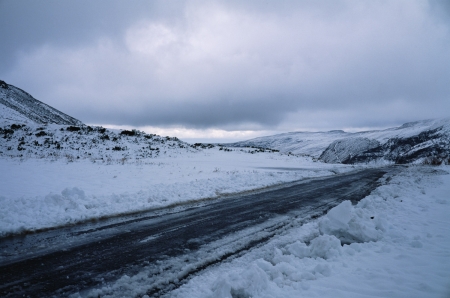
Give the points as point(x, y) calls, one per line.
point(18, 106)
point(426, 141)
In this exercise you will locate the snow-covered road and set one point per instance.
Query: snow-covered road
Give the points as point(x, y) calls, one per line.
point(167, 247)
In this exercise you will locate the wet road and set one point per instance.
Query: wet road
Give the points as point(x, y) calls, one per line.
point(78, 258)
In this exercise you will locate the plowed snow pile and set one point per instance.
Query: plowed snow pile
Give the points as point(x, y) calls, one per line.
point(393, 243)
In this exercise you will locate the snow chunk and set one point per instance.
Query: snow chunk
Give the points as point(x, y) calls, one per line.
point(249, 283)
point(324, 246)
point(350, 224)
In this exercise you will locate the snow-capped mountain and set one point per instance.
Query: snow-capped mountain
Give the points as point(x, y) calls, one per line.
point(17, 106)
point(426, 141)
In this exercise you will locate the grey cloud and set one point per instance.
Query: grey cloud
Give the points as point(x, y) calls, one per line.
point(441, 8)
point(227, 114)
point(233, 64)
point(27, 24)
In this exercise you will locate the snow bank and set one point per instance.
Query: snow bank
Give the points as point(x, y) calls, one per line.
point(393, 243)
point(36, 194)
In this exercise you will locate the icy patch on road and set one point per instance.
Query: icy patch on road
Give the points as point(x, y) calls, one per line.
point(393, 243)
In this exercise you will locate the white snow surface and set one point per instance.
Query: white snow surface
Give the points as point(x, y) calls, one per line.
point(9, 116)
point(37, 193)
point(396, 243)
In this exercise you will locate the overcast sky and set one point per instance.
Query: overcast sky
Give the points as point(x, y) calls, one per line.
point(231, 69)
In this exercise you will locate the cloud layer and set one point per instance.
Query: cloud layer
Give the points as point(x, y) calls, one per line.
point(236, 66)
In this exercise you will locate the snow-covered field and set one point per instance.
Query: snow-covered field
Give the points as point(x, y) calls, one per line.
point(397, 244)
point(43, 193)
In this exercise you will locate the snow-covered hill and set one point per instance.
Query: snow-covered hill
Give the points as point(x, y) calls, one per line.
point(417, 142)
point(426, 141)
point(17, 106)
point(32, 129)
point(85, 142)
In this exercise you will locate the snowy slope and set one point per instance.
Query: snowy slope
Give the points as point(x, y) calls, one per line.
point(17, 106)
point(416, 142)
point(340, 150)
point(426, 141)
point(307, 143)
point(71, 143)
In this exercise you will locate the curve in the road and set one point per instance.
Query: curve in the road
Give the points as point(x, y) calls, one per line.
point(95, 256)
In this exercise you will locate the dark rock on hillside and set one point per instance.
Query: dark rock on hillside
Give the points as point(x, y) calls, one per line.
point(36, 111)
point(3, 85)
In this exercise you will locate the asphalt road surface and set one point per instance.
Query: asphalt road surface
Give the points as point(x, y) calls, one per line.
point(79, 258)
